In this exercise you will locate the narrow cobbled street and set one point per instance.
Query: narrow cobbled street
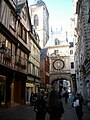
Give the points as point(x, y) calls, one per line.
point(26, 112)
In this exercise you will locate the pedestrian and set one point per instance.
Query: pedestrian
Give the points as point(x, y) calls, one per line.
point(66, 96)
point(54, 106)
point(33, 98)
point(78, 104)
point(40, 107)
point(60, 95)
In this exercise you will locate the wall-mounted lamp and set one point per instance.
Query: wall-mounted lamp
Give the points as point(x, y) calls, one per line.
point(2, 48)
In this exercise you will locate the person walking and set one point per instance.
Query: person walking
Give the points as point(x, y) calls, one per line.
point(78, 104)
point(54, 106)
point(66, 96)
point(33, 98)
point(40, 107)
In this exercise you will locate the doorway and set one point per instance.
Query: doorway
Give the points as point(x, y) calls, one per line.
point(2, 89)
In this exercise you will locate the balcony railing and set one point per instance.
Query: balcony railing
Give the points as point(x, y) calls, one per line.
point(20, 62)
point(12, 61)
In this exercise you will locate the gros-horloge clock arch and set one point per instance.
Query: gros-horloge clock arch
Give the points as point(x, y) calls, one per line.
point(59, 72)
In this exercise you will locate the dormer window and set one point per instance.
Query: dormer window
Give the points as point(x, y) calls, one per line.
point(24, 15)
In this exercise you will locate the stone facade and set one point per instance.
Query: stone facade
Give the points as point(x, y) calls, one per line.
point(40, 20)
point(83, 48)
point(17, 59)
point(60, 49)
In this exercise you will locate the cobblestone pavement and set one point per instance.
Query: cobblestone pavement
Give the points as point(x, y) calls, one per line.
point(26, 112)
point(70, 113)
point(22, 112)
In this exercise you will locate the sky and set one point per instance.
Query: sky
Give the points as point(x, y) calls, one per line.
point(60, 12)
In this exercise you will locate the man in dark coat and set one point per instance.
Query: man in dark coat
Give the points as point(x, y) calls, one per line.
point(55, 106)
point(40, 107)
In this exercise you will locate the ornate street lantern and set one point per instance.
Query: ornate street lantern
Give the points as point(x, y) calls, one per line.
point(2, 48)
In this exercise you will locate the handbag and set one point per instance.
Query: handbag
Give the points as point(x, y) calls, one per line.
point(76, 103)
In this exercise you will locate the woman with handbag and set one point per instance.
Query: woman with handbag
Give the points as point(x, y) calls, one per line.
point(78, 104)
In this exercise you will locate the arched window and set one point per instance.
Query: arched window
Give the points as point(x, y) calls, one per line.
point(36, 20)
point(57, 42)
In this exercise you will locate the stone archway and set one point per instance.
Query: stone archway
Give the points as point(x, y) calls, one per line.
point(57, 79)
point(61, 76)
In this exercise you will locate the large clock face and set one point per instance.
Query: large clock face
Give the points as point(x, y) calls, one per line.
point(58, 64)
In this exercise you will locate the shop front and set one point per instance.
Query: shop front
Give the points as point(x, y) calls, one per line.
point(30, 87)
point(12, 87)
point(37, 85)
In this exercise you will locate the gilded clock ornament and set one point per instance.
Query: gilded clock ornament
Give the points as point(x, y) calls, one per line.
point(58, 64)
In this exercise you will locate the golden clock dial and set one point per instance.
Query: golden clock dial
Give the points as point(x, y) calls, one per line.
point(58, 64)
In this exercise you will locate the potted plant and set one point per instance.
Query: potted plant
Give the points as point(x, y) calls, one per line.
point(18, 63)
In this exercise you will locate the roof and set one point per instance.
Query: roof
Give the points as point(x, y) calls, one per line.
point(43, 53)
point(21, 4)
point(39, 2)
point(19, 7)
